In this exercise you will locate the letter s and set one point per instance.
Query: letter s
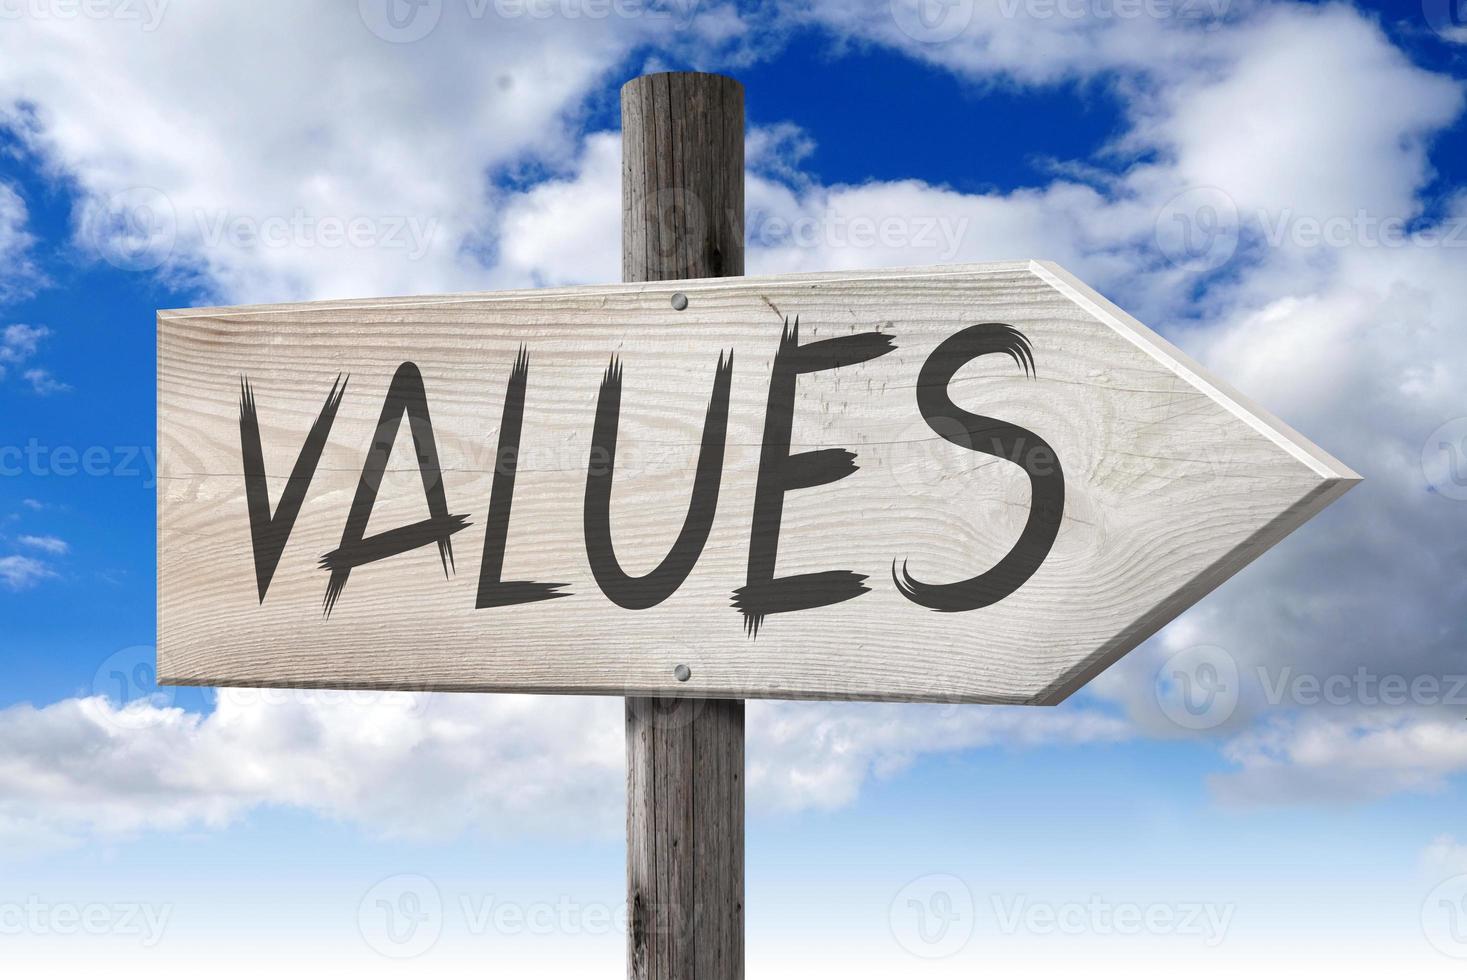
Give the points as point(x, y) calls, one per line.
point(992, 437)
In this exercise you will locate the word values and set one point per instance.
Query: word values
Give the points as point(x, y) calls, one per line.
point(780, 471)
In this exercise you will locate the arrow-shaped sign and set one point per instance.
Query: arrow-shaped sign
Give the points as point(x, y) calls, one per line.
point(980, 483)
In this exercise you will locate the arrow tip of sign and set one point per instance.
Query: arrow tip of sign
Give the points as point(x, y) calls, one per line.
point(1331, 471)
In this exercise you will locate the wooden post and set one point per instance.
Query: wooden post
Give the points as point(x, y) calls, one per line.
point(682, 198)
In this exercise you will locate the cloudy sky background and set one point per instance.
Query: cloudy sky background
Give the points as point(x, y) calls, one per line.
point(1279, 188)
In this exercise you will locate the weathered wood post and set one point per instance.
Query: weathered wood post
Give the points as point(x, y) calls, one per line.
point(682, 196)
point(1091, 381)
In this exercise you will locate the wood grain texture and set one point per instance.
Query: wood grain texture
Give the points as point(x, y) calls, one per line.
point(683, 148)
point(685, 838)
point(682, 177)
point(1173, 483)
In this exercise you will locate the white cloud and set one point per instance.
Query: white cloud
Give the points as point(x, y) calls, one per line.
point(1026, 42)
point(795, 225)
point(47, 543)
point(94, 766)
point(536, 243)
point(501, 765)
point(44, 383)
point(19, 572)
point(1361, 355)
point(30, 839)
point(1288, 111)
point(1316, 758)
point(1301, 117)
point(18, 343)
point(1291, 113)
point(1445, 856)
point(1310, 112)
point(1297, 115)
point(810, 756)
point(914, 223)
point(327, 162)
point(18, 272)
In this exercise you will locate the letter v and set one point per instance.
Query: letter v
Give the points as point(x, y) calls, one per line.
point(267, 534)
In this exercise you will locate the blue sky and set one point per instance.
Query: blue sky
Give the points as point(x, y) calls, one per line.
point(266, 826)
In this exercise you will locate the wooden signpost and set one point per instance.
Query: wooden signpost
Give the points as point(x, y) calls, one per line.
point(974, 484)
point(964, 484)
point(682, 218)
